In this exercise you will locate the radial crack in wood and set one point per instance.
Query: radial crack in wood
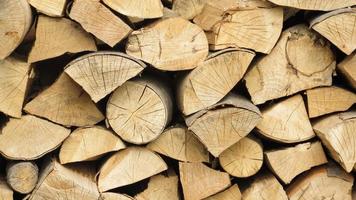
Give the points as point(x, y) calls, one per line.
point(54, 8)
point(348, 69)
point(114, 196)
point(6, 192)
point(232, 193)
point(22, 176)
point(324, 5)
point(146, 9)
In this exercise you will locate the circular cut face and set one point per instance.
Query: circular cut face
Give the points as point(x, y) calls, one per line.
point(136, 113)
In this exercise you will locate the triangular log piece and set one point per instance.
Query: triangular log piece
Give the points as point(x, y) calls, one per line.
point(325, 100)
point(301, 60)
point(287, 163)
point(130, 165)
point(140, 109)
point(225, 123)
point(49, 7)
point(86, 144)
point(286, 121)
point(324, 5)
point(337, 132)
point(138, 9)
point(348, 69)
point(6, 192)
point(188, 9)
point(181, 144)
point(244, 158)
point(16, 20)
point(102, 72)
point(22, 176)
point(170, 44)
point(57, 36)
point(100, 21)
point(66, 103)
point(30, 138)
point(14, 78)
point(212, 79)
point(199, 181)
point(114, 196)
point(232, 193)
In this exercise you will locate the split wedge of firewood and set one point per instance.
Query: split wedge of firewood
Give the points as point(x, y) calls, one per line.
point(287, 163)
point(188, 9)
point(57, 36)
point(22, 176)
point(325, 182)
point(16, 20)
point(212, 79)
point(147, 9)
point(131, 165)
point(338, 27)
point(70, 182)
point(286, 121)
point(324, 5)
point(244, 158)
point(66, 103)
point(30, 138)
point(337, 134)
point(170, 44)
point(100, 21)
point(49, 7)
point(301, 60)
point(232, 193)
point(348, 69)
point(225, 123)
point(14, 79)
point(199, 181)
point(114, 196)
point(179, 143)
point(86, 144)
point(102, 72)
point(140, 109)
point(327, 100)
point(6, 192)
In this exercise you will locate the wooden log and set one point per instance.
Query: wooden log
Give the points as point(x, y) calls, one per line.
point(170, 44)
point(102, 72)
point(232, 193)
point(66, 103)
point(22, 176)
point(147, 9)
point(114, 196)
point(327, 100)
point(6, 192)
point(14, 79)
point(336, 131)
point(287, 163)
point(30, 138)
point(348, 70)
point(301, 60)
point(286, 121)
point(225, 123)
point(140, 109)
point(70, 182)
point(16, 20)
point(328, 25)
point(199, 181)
point(95, 18)
point(87, 144)
point(212, 79)
point(131, 165)
point(56, 36)
point(49, 7)
point(324, 5)
point(179, 143)
point(188, 9)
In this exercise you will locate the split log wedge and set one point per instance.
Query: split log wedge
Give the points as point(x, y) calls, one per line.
point(188, 9)
point(324, 5)
point(348, 69)
point(114, 196)
point(232, 193)
point(6, 192)
point(49, 7)
point(139, 9)
point(22, 176)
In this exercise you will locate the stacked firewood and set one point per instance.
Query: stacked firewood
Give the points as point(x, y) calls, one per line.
point(182, 99)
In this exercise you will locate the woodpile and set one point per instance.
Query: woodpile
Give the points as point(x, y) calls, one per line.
point(177, 99)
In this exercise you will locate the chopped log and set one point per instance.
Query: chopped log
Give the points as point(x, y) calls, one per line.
point(56, 36)
point(179, 143)
point(232, 193)
point(324, 5)
point(337, 134)
point(14, 79)
point(212, 79)
point(70, 182)
point(328, 25)
point(49, 7)
point(22, 176)
point(131, 165)
point(114, 196)
point(325, 182)
point(6, 192)
point(188, 9)
point(16, 20)
point(301, 60)
point(327, 100)
point(264, 186)
point(170, 44)
point(287, 163)
point(347, 68)
point(219, 128)
point(102, 72)
point(168, 13)
point(87, 144)
point(286, 121)
point(147, 9)
point(199, 181)
point(100, 21)
point(140, 109)
point(244, 158)
point(66, 103)
point(30, 138)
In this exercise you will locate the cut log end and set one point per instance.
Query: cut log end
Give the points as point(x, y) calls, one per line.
point(49, 7)
point(22, 176)
point(147, 9)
